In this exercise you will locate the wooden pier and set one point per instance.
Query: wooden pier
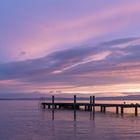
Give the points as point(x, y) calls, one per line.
point(90, 106)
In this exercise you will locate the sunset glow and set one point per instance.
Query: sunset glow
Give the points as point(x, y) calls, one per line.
point(61, 46)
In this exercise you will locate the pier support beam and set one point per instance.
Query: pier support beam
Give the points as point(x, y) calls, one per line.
point(74, 102)
point(74, 107)
point(78, 107)
point(93, 102)
point(122, 110)
point(85, 107)
point(117, 110)
point(59, 106)
point(55, 106)
point(90, 103)
point(104, 109)
point(89, 107)
point(101, 108)
point(48, 106)
point(52, 102)
point(136, 111)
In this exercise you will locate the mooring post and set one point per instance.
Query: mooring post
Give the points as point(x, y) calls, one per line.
point(90, 108)
point(93, 102)
point(136, 111)
point(117, 110)
point(52, 102)
point(74, 107)
point(52, 107)
point(75, 102)
point(122, 110)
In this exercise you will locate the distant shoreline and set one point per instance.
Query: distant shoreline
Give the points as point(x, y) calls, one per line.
point(62, 99)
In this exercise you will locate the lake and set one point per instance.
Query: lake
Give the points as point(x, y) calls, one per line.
point(24, 120)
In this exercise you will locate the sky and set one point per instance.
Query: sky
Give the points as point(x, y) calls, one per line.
point(70, 46)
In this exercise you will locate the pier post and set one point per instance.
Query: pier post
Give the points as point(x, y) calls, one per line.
point(55, 106)
point(104, 109)
point(93, 102)
point(52, 107)
point(48, 106)
point(122, 110)
point(74, 102)
point(52, 102)
point(85, 107)
point(117, 110)
point(59, 106)
point(101, 108)
point(136, 111)
point(74, 107)
point(90, 107)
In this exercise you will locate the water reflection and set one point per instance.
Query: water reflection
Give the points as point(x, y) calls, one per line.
point(91, 114)
point(53, 114)
point(27, 122)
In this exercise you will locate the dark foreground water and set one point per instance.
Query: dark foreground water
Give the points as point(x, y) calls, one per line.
point(23, 120)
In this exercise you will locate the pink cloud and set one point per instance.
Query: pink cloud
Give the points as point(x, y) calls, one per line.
point(43, 40)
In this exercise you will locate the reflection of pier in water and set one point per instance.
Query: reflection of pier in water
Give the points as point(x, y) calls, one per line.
point(88, 106)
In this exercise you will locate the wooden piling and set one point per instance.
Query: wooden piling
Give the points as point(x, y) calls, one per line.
point(74, 102)
point(78, 107)
point(74, 107)
point(90, 102)
point(48, 106)
point(93, 103)
point(85, 107)
point(136, 111)
point(117, 110)
point(104, 109)
point(88, 107)
point(55, 106)
point(93, 99)
point(122, 110)
point(59, 106)
point(101, 108)
point(52, 102)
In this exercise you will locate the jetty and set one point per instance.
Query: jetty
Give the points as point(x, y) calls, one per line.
point(88, 106)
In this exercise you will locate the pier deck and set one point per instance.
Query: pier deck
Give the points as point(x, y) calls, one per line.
point(89, 106)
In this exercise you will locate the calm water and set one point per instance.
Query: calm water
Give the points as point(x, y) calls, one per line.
point(23, 120)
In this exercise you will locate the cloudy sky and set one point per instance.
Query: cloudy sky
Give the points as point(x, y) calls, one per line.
point(72, 46)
